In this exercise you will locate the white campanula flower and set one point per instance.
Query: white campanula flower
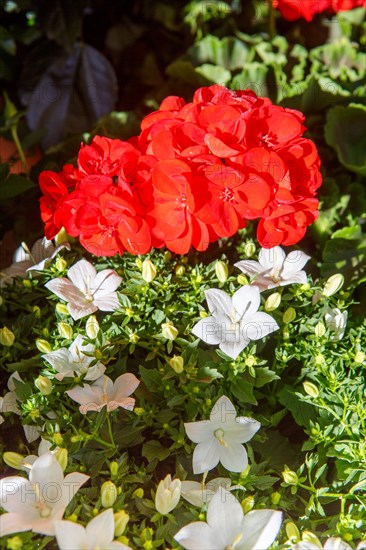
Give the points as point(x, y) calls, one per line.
point(99, 533)
point(336, 320)
point(42, 253)
point(333, 543)
point(35, 504)
point(220, 439)
point(234, 321)
point(75, 361)
point(167, 495)
point(274, 268)
point(228, 527)
point(200, 493)
point(86, 291)
point(106, 393)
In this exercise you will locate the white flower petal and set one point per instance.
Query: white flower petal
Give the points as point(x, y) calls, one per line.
point(16, 493)
point(82, 275)
point(124, 386)
point(218, 300)
point(65, 290)
point(95, 372)
point(70, 536)
point(233, 349)
point(205, 456)
point(108, 302)
point(271, 258)
point(71, 484)
point(223, 412)
point(234, 457)
point(197, 536)
point(14, 523)
point(105, 282)
point(336, 543)
point(260, 528)
point(32, 433)
point(249, 267)
point(47, 473)
point(100, 530)
point(243, 430)
point(78, 310)
point(294, 263)
point(225, 516)
point(246, 301)
point(258, 326)
point(199, 431)
point(208, 330)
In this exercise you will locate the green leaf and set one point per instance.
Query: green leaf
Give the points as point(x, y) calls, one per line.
point(207, 374)
point(15, 185)
point(345, 132)
point(154, 449)
point(253, 76)
point(151, 378)
point(214, 73)
point(302, 412)
point(61, 20)
point(263, 375)
point(243, 390)
point(346, 255)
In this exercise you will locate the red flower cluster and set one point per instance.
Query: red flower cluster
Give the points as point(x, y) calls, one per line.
point(196, 173)
point(295, 9)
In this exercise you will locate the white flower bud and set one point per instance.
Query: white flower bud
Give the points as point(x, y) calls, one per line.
point(7, 337)
point(273, 301)
point(333, 284)
point(43, 345)
point(319, 329)
point(177, 363)
point(65, 330)
point(148, 271)
point(169, 331)
point(62, 457)
point(108, 494)
point(92, 327)
point(249, 250)
point(167, 495)
point(289, 315)
point(14, 460)
point(120, 522)
point(311, 389)
point(43, 384)
point(221, 271)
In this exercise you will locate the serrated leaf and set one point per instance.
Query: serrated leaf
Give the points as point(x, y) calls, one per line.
point(243, 390)
point(263, 375)
point(207, 374)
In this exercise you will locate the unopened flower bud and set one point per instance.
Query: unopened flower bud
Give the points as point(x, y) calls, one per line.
point(359, 357)
point(14, 543)
point(92, 327)
point(292, 532)
point(138, 493)
point(7, 337)
point(247, 504)
point(319, 330)
point(273, 301)
point(222, 271)
point(311, 389)
point(113, 468)
point(148, 271)
point(167, 495)
point(37, 312)
point(62, 457)
point(177, 363)
point(61, 264)
point(108, 494)
point(242, 279)
point(62, 309)
point(289, 315)
point(121, 519)
point(43, 345)
point(275, 498)
point(290, 477)
point(333, 284)
point(180, 270)
point(57, 438)
point(62, 237)
point(250, 361)
point(14, 460)
point(249, 250)
point(167, 256)
point(169, 331)
point(43, 384)
point(308, 536)
point(65, 330)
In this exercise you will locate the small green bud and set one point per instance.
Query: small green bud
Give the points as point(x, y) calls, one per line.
point(121, 519)
point(249, 249)
point(72, 517)
point(134, 338)
point(43, 345)
point(14, 460)
point(139, 411)
point(61, 237)
point(180, 270)
point(7, 337)
point(222, 271)
point(311, 389)
point(65, 330)
point(138, 493)
point(43, 384)
point(57, 438)
point(167, 256)
point(61, 264)
point(273, 301)
point(290, 476)
point(359, 357)
point(289, 315)
point(247, 504)
point(27, 283)
point(37, 312)
point(62, 309)
point(14, 543)
point(113, 468)
point(242, 279)
point(275, 498)
point(92, 327)
point(177, 363)
point(108, 494)
point(169, 331)
point(148, 271)
point(319, 330)
point(292, 532)
point(333, 284)
point(250, 361)
point(62, 457)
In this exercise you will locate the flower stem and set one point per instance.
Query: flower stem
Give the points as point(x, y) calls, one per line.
point(14, 135)
point(271, 20)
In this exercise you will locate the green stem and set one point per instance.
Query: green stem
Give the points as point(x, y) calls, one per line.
point(271, 20)
point(102, 442)
point(14, 134)
point(110, 431)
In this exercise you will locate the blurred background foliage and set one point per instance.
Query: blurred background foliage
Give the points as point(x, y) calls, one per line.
point(71, 69)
